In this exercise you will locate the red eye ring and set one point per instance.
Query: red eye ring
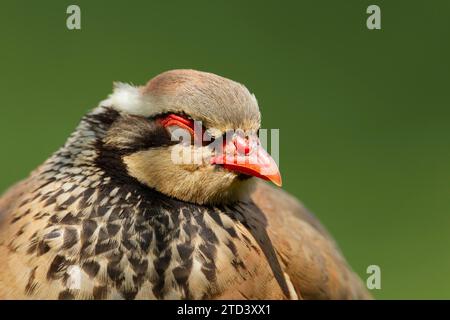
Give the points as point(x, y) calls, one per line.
point(179, 121)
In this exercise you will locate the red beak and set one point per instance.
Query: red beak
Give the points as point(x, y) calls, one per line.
point(246, 155)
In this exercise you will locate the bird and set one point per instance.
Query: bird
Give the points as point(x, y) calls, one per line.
point(117, 213)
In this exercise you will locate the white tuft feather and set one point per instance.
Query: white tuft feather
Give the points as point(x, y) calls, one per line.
point(127, 98)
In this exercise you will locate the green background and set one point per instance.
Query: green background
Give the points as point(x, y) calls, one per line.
point(363, 115)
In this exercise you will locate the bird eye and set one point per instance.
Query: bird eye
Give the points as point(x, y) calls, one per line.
point(204, 137)
point(178, 121)
point(174, 122)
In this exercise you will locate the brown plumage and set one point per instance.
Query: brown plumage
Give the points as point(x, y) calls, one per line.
point(98, 220)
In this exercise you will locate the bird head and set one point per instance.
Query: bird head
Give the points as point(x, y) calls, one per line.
point(190, 135)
